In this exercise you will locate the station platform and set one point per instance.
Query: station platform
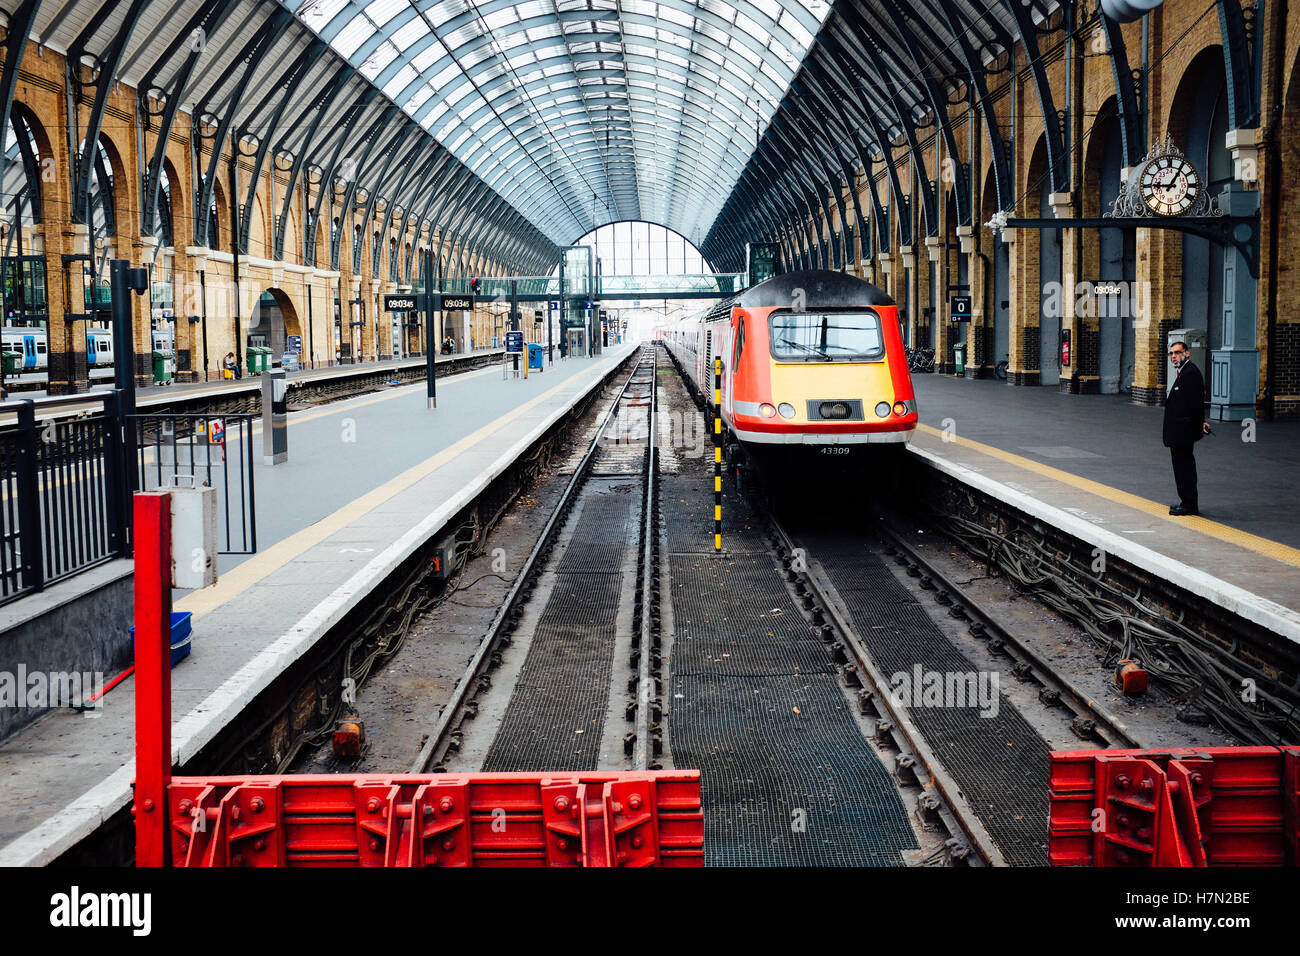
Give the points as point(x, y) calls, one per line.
point(368, 481)
point(152, 395)
point(1095, 466)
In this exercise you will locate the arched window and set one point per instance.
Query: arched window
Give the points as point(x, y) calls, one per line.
point(22, 182)
point(163, 223)
point(103, 216)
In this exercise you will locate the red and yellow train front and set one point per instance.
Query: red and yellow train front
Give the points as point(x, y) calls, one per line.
point(829, 377)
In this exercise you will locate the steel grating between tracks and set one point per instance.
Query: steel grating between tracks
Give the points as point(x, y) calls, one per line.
point(755, 705)
point(731, 628)
point(999, 761)
point(556, 715)
point(686, 503)
point(606, 527)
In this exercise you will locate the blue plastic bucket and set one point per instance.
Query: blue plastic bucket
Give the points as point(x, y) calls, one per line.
point(180, 636)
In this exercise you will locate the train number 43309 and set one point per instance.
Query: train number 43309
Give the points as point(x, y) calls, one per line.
point(834, 450)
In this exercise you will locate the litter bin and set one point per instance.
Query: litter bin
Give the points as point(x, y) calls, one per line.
point(181, 636)
point(534, 356)
point(959, 359)
point(11, 360)
point(163, 366)
point(254, 358)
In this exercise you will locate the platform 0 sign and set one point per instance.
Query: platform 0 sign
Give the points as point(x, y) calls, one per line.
point(960, 308)
point(401, 303)
point(514, 343)
point(457, 303)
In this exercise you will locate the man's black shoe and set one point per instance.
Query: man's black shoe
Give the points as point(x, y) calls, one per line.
point(1180, 511)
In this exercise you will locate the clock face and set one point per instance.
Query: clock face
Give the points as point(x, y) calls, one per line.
point(1169, 185)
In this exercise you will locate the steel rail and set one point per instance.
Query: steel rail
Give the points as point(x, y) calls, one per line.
point(943, 795)
point(509, 613)
point(959, 817)
point(1092, 721)
point(648, 641)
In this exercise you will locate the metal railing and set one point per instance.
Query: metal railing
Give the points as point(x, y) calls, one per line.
point(62, 491)
point(646, 286)
point(204, 451)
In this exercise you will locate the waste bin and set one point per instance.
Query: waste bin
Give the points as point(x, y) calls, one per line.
point(163, 366)
point(11, 362)
point(534, 356)
point(254, 358)
point(959, 359)
point(181, 636)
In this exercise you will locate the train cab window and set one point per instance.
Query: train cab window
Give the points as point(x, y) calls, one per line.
point(827, 336)
point(740, 344)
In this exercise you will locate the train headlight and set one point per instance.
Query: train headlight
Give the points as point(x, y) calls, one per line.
point(900, 409)
point(882, 410)
point(786, 410)
point(766, 410)
point(834, 410)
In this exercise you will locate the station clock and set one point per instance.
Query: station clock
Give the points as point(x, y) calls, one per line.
point(1169, 185)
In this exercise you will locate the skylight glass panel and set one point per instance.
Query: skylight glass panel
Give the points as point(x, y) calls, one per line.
point(430, 55)
point(381, 11)
point(418, 98)
point(790, 23)
point(443, 12)
point(499, 18)
point(673, 15)
point(725, 10)
point(462, 35)
point(405, 35)
point(317, 13)
point(445, 76)
point(398, 83)
point(375, 62)
point(352, 36)
point(533, 8)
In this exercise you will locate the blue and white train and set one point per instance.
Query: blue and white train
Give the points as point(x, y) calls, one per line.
point(32, 347)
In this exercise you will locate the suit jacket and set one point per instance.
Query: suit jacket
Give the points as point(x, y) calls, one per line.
point(1185, 408)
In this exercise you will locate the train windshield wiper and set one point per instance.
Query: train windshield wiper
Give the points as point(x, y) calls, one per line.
point(806, 348)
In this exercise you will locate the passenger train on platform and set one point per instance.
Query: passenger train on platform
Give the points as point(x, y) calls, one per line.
point(812, 367)
point(31, 345)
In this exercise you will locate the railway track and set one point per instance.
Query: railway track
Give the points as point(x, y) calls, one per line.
point(970, 777)
point(625, 643)
point(549, 607)
point(936, 792)
point(1091, 722)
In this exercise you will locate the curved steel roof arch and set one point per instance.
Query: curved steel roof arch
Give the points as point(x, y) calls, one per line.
point(482, 77)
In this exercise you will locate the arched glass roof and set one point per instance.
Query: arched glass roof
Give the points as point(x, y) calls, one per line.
point(581, 112)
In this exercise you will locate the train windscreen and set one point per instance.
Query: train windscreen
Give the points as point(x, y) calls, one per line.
point(826, 336)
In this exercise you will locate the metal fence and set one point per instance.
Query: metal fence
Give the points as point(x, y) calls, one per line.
point(62, 493)
point(203, 451)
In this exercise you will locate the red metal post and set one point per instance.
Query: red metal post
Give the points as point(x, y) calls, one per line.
point(153, 676)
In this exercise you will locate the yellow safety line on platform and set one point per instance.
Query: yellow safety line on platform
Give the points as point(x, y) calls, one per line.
point(243, 576)
point(1243, 539)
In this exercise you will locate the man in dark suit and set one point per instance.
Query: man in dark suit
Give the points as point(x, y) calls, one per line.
point(1185, 425)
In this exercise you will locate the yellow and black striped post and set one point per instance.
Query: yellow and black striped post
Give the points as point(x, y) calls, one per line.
point(717, 455)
